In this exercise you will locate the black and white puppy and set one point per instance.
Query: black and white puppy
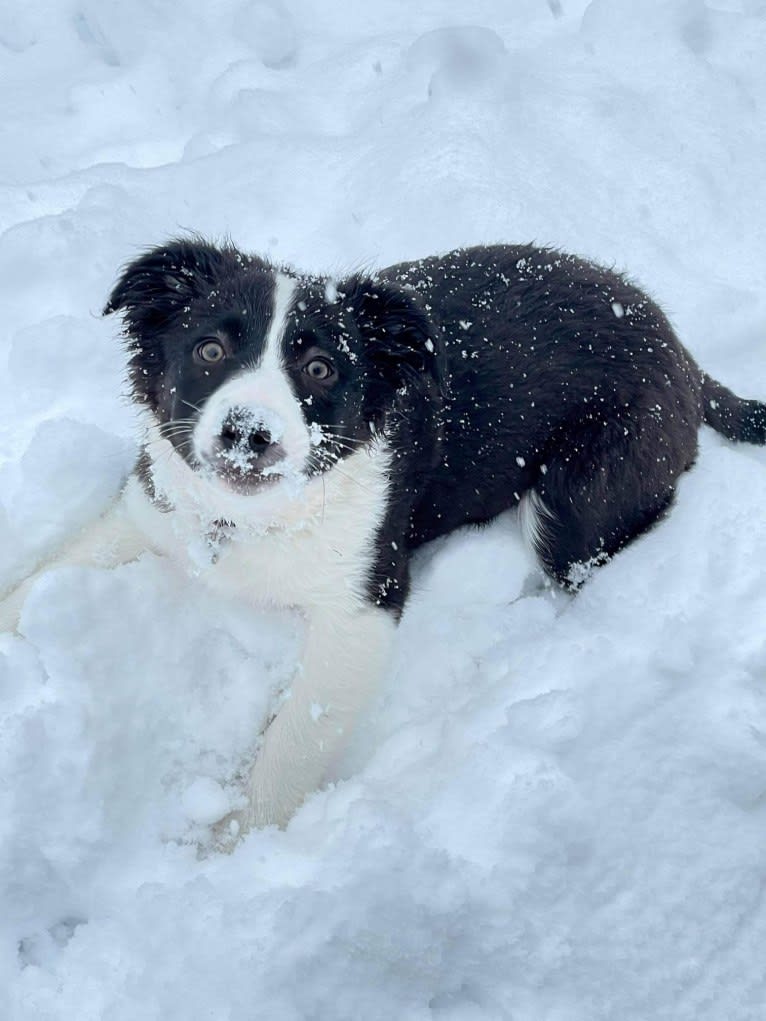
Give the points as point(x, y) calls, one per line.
point(307, 435)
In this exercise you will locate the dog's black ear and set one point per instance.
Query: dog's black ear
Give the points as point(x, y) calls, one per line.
point(400, 337)
point(163, 281)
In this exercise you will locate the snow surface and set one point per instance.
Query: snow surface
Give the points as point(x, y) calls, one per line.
point(556, 810)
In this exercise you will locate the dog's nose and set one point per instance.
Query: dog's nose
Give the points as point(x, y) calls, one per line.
point(240, 429)
point(258, 440)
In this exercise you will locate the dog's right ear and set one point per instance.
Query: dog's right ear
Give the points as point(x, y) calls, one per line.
point(164, 281)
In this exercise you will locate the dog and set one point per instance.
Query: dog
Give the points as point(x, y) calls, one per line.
point(304, 436)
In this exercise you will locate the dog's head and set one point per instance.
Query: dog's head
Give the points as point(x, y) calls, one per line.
point(257, 375)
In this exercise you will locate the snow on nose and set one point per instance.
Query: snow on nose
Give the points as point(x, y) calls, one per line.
point(251, 429)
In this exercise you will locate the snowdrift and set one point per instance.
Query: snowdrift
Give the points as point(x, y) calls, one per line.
point(556, 809)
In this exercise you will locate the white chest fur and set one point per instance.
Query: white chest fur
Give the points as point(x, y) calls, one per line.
point(307, 546)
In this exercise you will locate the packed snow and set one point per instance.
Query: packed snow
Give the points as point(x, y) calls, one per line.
point(556, 808)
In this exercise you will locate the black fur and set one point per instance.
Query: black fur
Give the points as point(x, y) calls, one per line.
point(490, 371)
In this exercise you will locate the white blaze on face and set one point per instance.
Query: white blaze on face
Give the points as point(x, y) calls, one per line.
point(264, 394)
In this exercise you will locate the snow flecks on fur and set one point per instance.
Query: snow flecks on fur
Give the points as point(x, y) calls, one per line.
point(555, 809)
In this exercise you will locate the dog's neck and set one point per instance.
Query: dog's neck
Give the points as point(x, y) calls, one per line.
point(222, 516)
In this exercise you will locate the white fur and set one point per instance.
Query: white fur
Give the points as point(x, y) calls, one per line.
point(300, 542)
point(113, 539)
point(315, 556)
point(346, 652)
point(535, 518)
point(289, 546)
point(265, 392)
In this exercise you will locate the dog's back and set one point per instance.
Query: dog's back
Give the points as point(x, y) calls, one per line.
point(565, 390)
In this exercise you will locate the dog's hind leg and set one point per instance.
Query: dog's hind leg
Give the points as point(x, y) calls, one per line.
point(605, 482)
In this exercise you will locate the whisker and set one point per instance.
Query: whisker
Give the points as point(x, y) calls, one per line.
point(341, 445)
point(180, 438)
point(184, 443)
point(333, 465)
point(176, 447)
point(338, 437)
point(183, 431)
point(333, 430)
point(345, 475)
point(190, 405)
point(176, 427)
point(178, 421)
point(345, 441)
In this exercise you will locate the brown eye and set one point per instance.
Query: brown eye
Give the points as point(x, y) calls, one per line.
point(319, 368)
point(210, 351)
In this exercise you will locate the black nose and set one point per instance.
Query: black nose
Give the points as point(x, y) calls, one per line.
point(239, 430)
point(258, 440)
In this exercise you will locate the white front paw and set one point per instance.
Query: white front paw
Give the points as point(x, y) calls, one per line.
point(265, 807)
point(227, 832)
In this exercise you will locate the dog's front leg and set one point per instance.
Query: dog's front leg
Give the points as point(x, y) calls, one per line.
point(345, 655)
point(111, 540)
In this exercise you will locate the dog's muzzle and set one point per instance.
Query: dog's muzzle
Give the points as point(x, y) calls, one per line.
point(247, 451)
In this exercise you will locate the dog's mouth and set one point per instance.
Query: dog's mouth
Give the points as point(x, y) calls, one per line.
point(249, 484)
point(247, 455)
point(245, 472)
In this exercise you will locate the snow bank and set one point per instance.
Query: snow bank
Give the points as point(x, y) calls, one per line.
point(556, 810)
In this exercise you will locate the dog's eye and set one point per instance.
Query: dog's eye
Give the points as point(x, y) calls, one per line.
point(210, 351)
point(319, 368)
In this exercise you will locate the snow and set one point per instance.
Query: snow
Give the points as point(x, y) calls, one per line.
point(556, 809)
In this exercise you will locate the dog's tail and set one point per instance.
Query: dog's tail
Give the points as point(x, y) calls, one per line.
point(732, 416)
